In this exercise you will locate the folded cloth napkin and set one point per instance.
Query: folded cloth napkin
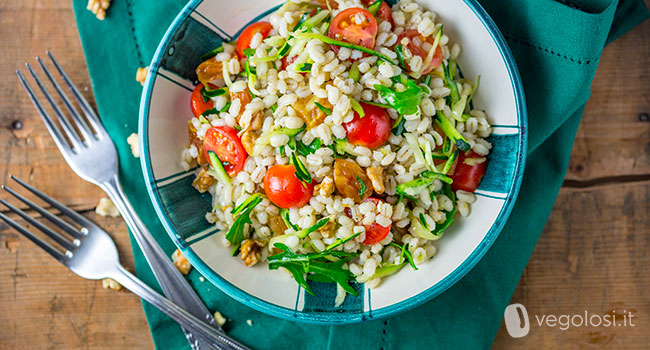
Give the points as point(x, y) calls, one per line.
point(557, 46)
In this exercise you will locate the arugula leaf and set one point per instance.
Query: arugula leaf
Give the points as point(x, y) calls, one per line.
point(284, 214)
point(341, 241)
point(211, 111)
point(405, 253)
point(449, 215)
point(382, 105)
point(314, 266)
point(305, 150)
point(405, 102)
point(235, 234)
point(211, 53)
point(322, 222)
point(363, 187)
point(399, 50)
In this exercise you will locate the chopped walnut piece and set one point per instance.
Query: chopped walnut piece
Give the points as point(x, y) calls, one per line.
point(325, 188)
point(132, 140)
point(250, 251)
point(328, 229)
point(277, 225)
point(106, 207)
point(209, 70)
point(141, 75)
point(376, 175)
point(248, 139)
point(219, 318)
point(181, 262)
point(203, 181)
point(309, 112)
point(197, 142)
point(350, 179)
point(244, 98)
point(98, 8)
point(109, 283)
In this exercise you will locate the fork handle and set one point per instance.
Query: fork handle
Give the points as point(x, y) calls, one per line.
point(198, 327)
point(173, 284)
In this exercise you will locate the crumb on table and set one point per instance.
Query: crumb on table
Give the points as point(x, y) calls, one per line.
point(98, 8)
point(181, 262)
point(132, 140)
point(109, 283)
point(141, 74)
point(219, 318)
point(250, 322)
point(105, 207)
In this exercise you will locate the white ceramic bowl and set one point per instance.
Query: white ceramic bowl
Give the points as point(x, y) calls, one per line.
point(164, 112)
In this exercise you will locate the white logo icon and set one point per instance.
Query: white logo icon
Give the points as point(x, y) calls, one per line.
point(517, 324)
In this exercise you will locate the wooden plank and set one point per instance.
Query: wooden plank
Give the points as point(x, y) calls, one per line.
point(592, 257)
point(613, 141)
point(44, 304)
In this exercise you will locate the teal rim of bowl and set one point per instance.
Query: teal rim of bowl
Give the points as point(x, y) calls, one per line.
point(340, 318)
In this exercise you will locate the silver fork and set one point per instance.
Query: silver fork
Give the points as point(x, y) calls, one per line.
point(88, 251)
point(90, 152)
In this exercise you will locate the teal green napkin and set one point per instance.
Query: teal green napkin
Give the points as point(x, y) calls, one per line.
point(557, 46)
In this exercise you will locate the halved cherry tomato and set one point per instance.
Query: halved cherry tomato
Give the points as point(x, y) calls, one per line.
point(384, 12)
point(284, 189)
point(286, 61)
point(418, 50)
point(375, 233)
point(370, 131)
point(346, 27)
point(244, 40)
point(224, 142)
point(467, 177)
point(197, 104)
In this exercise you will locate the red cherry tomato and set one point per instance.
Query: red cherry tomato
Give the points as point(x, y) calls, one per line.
point(287, 61)
point(384, 12)
point(284, 189)
point(344, 27)
point(418, 50)
point(244, 40)
point(370, 131)
point(197, 104)
point(224, 142)
point(375, 233)
point(467, 177)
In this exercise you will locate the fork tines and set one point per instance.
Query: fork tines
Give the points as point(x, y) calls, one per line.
point(66, 243)
point(83, 131)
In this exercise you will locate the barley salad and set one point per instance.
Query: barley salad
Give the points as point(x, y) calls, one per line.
point(338, 140)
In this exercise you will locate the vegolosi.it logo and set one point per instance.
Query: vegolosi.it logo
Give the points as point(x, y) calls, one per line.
point(518, 323)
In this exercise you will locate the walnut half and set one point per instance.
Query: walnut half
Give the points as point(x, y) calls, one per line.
point(376, 175)
point(250, 251)
point(203, 181)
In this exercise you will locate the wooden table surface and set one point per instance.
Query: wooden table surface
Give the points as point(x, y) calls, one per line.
point(592, 256)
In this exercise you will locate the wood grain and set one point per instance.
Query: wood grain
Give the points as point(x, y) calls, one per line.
point(592, 255)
